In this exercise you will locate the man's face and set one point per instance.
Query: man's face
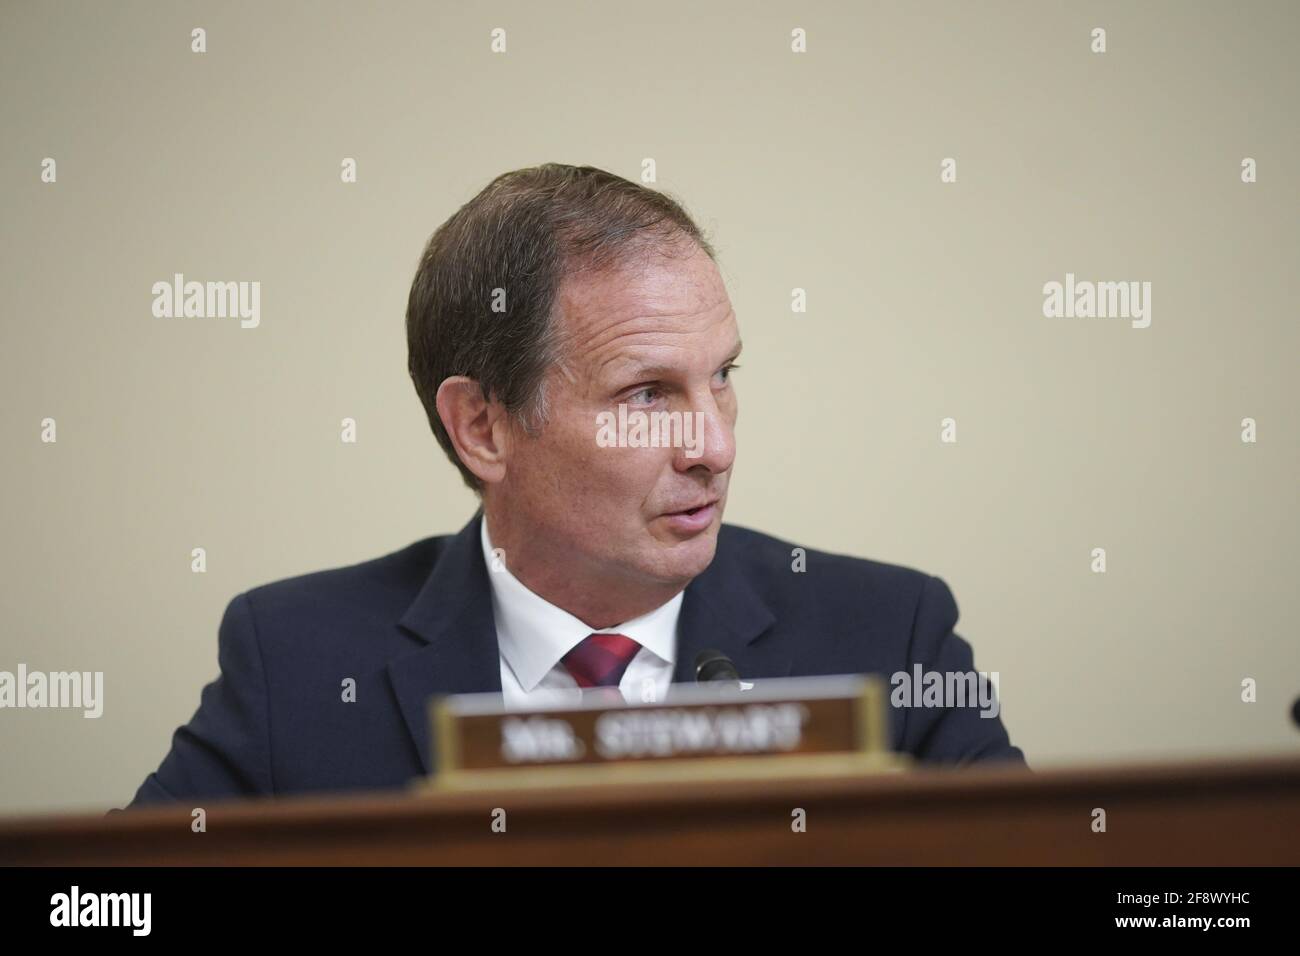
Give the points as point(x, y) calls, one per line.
point(657, 337)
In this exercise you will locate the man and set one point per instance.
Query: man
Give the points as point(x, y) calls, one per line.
point(558, 301)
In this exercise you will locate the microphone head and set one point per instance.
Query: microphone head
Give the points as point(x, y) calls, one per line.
point(713, 665)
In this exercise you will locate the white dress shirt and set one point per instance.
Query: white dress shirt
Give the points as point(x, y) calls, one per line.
point(533, 635)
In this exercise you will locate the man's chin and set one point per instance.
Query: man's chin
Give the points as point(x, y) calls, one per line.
point(679, 560)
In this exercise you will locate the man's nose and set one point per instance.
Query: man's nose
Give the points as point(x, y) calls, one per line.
point(712, 439)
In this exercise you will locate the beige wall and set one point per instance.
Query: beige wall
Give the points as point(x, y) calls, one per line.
point(816, 170)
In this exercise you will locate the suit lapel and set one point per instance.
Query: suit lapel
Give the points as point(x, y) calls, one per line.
point(722, 611)
point(452, 619)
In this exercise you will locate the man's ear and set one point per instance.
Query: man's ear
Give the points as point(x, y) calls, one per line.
point(477, 427)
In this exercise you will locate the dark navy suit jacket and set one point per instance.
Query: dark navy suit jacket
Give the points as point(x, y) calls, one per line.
point(418, 622)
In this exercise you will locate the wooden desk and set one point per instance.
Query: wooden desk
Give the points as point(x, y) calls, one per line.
point(1207, 813)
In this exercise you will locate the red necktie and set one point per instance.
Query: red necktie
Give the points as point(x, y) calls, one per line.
point(599, 662)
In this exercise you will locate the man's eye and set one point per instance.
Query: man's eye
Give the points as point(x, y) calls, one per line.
point(649, 391)
point(726, 370)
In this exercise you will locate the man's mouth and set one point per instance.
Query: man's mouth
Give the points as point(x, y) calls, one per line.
point(691, 521)
point(696, 510)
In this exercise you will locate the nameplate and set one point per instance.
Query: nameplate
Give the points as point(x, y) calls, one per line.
point(701, 731)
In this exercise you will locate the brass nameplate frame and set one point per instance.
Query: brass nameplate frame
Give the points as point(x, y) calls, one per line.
point(796, 726)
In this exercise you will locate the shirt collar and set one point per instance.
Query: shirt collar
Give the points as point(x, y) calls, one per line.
point(534, 634)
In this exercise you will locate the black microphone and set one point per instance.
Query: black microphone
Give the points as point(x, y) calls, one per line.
point(713, 666)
